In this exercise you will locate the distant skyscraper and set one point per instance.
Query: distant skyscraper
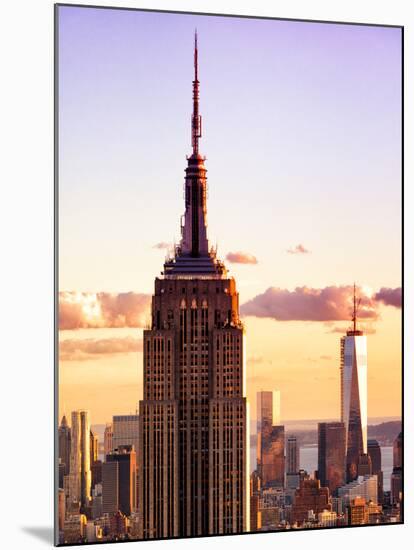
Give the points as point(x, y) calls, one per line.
point(364, 465)
point(193, 418)
point(268, 415)
point(396, 486)
point(125, 431)
point(397, 451)
point(125, 456)
point(272, 465)
point(354, 394)
point(331, 454)
point(397, 471)
point(374, 451)
point(110, 487)
point(108, 439)
point(96, 465)
point(80, 470)
point(93, 447)
point(292, 455)
point(96, 470)
point(64, 445)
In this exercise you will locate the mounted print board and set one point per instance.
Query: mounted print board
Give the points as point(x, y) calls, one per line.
point(229, 328)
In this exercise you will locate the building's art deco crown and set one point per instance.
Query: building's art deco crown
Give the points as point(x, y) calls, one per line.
point(192, 257)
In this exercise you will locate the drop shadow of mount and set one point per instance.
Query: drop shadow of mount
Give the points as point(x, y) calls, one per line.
point(44, 534)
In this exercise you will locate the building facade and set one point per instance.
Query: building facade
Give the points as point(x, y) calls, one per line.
point(397, 471)
point(125, 457)
point(364, 465)
point(292, 455)
point(268, 415)
point(64, 446)
point(93, 447)
point(108, 439)
point(327, 519)
point(272, 462)
point(358, 511)
point(354, 408)
point(79, 478)
point(125, 431)
point(270, 439)
point(193, 454)
point(374, 451)
point(363, 486)
point(331, 455)
point(110, 487)
point(397, 451)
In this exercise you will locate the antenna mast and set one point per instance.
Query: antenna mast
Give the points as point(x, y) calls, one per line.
point(355, 310)
point(354, 313)
point(196, 117)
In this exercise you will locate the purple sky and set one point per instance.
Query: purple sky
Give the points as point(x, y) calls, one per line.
point(301, 125)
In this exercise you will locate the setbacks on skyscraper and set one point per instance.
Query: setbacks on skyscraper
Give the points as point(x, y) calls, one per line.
point(193, 456)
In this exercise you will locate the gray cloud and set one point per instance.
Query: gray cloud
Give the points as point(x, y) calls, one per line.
point(389, 296)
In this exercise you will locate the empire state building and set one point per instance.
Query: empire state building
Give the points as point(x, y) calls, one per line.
point(193, 456)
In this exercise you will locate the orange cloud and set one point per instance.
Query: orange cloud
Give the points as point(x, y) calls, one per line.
point(103, 310)
point(309, 304)
point(83, 350)
point(241, 258)
point(298, 249)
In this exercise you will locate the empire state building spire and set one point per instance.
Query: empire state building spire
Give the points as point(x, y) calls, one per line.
point(196, 118)
point(192, 255)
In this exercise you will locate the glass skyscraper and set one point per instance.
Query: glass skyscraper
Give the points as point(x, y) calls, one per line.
point(331, 455)
point(354, 409)
point(80, 471)
point(268, 416)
